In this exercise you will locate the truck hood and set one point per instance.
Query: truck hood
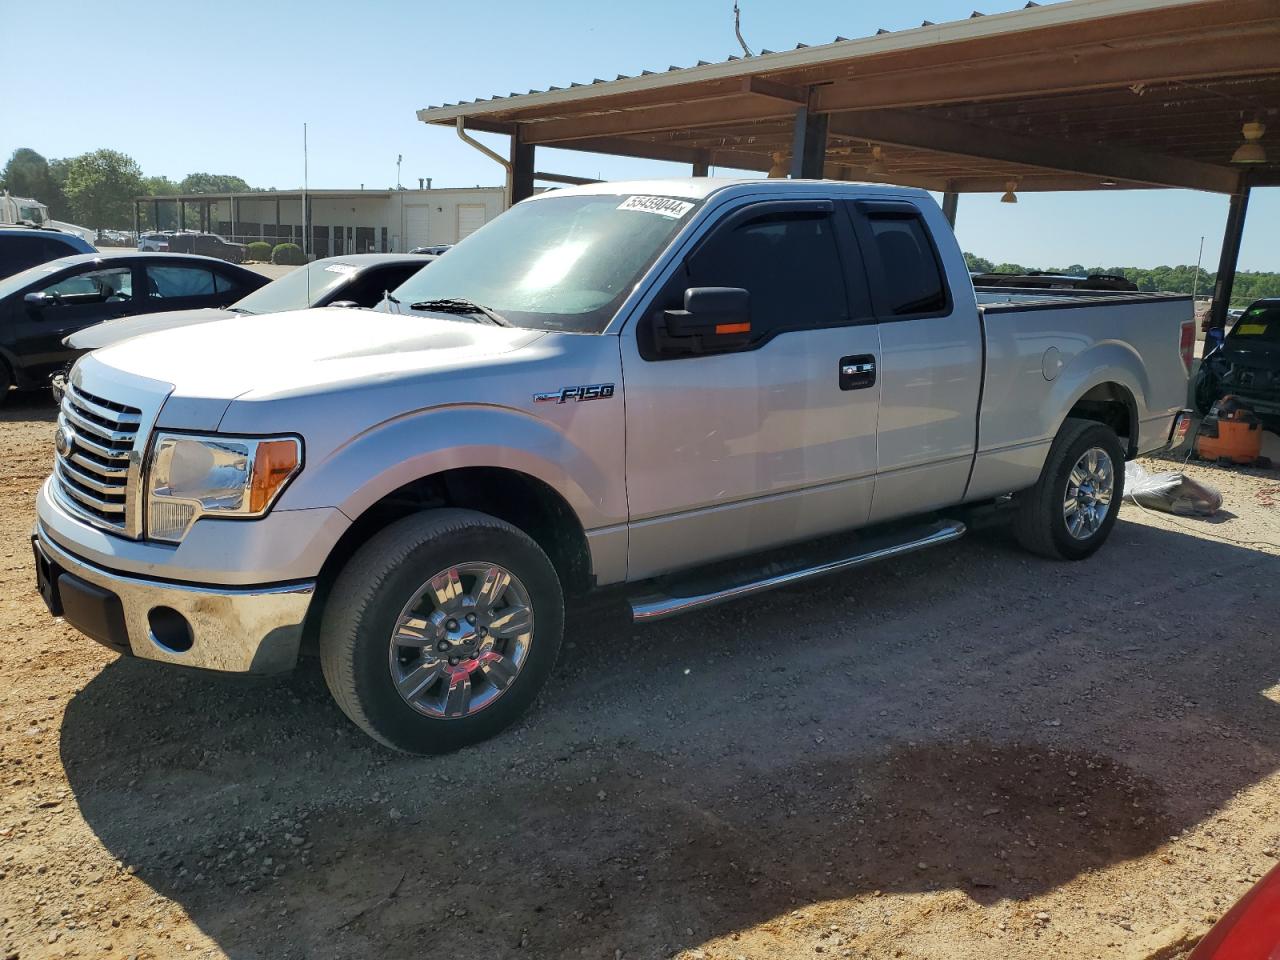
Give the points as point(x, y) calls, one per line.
point(300, 354)
point(113, 331)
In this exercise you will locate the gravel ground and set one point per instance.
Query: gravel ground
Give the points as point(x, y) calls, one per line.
point(966, 753)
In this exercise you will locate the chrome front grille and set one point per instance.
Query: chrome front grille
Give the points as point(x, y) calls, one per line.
point(95, 448)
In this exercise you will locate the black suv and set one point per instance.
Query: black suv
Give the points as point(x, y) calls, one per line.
point(207, 245)
point(22, 247)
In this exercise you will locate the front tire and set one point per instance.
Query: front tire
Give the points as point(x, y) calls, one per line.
point(1070, 511)
point(441, 630)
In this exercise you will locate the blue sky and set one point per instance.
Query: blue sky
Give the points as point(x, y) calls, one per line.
point(225, 88)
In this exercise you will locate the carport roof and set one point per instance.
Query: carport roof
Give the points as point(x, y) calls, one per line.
point(1073, 95)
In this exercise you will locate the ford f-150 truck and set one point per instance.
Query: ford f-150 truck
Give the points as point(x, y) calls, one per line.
point(693, 390)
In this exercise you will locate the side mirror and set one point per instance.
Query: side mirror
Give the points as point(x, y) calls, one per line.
point(36, 301)
point(713, 318)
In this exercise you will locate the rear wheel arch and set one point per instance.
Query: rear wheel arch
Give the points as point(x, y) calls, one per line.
point(1113, 405)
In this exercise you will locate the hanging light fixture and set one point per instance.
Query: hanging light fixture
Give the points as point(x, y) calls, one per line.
point(877, 167)
point(1010, 192)
point(779, 168)
point(1251, 151)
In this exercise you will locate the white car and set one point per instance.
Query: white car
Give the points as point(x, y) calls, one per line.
point(154, 242)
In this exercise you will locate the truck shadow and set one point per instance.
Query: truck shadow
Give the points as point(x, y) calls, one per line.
point(969, 719)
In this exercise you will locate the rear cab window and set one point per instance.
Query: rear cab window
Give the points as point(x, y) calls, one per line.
point(903, 267)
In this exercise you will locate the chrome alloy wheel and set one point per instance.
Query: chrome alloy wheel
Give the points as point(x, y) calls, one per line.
point(461, 640)
point(1089, 489)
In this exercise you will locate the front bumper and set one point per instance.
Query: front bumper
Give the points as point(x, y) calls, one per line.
point(235, 629)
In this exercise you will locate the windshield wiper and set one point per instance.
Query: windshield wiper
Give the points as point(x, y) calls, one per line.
point(461, 305)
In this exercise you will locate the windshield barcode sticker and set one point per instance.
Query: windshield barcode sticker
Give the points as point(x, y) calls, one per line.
point(662, 206)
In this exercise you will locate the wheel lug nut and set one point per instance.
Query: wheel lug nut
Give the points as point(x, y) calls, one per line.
point(483, 631)
point(451, 625)
point(471, 618)
point(442, 646)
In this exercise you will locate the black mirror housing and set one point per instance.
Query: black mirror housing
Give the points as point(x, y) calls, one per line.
point(713, 318)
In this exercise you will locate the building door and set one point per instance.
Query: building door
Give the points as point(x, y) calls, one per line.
point(415, 226)
point(337, 241)
point(364, 240)
point(319, 241)
point(470, 219)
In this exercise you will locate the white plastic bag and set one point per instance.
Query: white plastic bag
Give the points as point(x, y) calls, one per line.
point(1170, 492)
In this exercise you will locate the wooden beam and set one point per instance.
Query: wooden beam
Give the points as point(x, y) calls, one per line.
point(1061, 71)
point(771, 89)
point(698, 113)
point(908, 129)
point(563, 178)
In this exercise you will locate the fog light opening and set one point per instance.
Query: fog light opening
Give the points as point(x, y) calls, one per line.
point(170, 630)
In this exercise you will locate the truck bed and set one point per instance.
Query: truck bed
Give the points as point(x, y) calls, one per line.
point(1044, 349)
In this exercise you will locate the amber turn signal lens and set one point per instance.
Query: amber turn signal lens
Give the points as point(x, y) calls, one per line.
point(275, 463)
point(723, 328)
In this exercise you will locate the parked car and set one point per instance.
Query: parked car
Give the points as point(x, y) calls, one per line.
point(434, 250)
point(23, 247)
point(1245, 364)
point(207, 245)
point(1250, 930)
point(154, 242)
point(425, 490)
point(355, 280)
point(42, 305)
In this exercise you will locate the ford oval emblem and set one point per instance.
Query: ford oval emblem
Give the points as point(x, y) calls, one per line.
point(62, 441)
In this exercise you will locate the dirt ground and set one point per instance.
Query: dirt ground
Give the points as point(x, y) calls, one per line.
point(966, 753)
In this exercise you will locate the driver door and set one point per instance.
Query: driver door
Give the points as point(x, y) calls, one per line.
point(766, 440)
point(69, 303)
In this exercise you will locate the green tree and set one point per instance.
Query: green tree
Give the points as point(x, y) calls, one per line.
point(212, 183)
point(100, 188)
point(28, 174)
point(977, 264)
point(160, 187)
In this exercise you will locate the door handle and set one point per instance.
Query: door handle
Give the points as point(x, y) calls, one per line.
point(858, 372)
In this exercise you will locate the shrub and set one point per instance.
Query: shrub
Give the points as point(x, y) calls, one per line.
point(259, 251)
point(288, 254)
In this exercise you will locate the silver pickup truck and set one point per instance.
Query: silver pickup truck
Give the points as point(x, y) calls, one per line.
point(691, 389)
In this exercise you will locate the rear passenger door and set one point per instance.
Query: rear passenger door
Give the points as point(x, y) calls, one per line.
point(765, 440)
point(930, 365)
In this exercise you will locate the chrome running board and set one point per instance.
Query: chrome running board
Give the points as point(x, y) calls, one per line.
point(660, 606)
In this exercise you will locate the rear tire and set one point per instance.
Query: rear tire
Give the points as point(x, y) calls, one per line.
point(487, 606)
point(1070, 511)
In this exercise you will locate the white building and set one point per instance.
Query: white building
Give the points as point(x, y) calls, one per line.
point(341, 221)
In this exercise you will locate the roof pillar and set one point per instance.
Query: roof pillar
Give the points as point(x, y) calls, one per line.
point(809, 145)
point(521, 169)
point(950, 201)
point(1230, 256)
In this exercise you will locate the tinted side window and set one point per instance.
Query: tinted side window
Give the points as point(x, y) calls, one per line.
point(912, 280)
point(97, 286)
point(179, 282)
point(224, 284)
point(788, 262)
point(18, 253)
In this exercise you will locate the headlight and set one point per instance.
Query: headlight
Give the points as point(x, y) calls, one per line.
point(189, 477)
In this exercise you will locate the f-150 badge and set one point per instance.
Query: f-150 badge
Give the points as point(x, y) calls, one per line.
point(593, 391)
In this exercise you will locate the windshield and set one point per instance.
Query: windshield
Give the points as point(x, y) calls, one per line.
point(298, 289)
point(559, 263)
point(1259, 324)
point(11, 285)
point(33, 213)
